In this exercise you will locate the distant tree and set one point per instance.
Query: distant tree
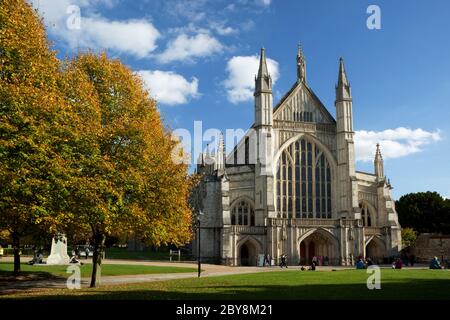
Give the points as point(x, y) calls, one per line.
point(409, 237)
point(28, 110)
point(445, 217)
point(424, 212)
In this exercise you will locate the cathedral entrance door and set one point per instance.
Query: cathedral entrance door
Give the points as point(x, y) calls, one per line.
point(303, 258)
point(320, 244)
point(248, 254)
point(375, 250)
point(311, 251)
point(244, 255)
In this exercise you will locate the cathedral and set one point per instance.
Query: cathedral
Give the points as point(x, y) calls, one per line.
point(290, 186)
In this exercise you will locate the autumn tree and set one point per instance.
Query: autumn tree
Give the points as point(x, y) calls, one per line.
point(124, 179)
point(409, 237)
point(82, 146)
point(28, 107)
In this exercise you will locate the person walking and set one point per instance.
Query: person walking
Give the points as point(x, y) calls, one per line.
point(283, 261)
point(267, 260)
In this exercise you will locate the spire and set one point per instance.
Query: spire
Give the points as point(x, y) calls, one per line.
point(343, 91)
point(301, 65)
point(220, 155)
point(378, 155)
point(378, 163)
point(262, 64)
point(263, 82)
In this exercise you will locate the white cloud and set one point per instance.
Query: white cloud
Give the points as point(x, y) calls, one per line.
point(190, 9)
point(394, 143)
point(222, 29)
point(136, 37)
point(231, 7)
point(187, 48)
point(168, 87)
point(225, 31)
point(265, 3)
point(248, 25)
point(240, 83)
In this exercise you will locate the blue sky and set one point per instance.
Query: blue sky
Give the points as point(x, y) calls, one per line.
point(199, 57)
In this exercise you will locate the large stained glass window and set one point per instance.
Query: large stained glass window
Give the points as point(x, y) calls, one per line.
point(303, 187)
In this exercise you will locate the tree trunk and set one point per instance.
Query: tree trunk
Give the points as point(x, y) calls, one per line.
point(99, 246)
point(16, 248)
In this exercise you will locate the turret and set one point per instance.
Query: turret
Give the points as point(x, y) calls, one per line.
point(343, 90)
point(220, 156)
point(263, 94)
point(301, 65)
point(264, 143)
point(378, 163)
point(347, 200)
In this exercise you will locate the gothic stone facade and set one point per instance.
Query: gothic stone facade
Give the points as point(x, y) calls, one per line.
point(290, 185)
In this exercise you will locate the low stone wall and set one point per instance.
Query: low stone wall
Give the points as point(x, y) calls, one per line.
point(429, 245)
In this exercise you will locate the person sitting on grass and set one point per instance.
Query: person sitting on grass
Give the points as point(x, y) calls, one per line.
point(313, 266)
point(360, 264)
point(37, 258)
point(398, 264)
point(435, 263)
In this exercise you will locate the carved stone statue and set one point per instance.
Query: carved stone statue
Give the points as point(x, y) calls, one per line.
point(58, 254)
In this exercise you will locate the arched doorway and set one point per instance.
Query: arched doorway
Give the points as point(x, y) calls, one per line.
point(375, 250)
point(247, 254)
point(302, 250)
point(320, 244)
point(311, 250)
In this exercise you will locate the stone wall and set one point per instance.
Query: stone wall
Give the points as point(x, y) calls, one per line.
point(429, 245)
point(211, 223)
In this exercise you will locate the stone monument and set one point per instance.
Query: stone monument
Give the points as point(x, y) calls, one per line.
point(58, 254)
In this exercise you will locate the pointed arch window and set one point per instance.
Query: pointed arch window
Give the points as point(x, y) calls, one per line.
point(243, 214)
point(303, 184)
point(365, 215)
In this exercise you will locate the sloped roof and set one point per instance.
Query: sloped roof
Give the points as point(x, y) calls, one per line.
point(313, 95)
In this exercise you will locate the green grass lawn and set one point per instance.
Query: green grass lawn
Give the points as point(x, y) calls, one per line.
point(345, 284)
point(107, 270)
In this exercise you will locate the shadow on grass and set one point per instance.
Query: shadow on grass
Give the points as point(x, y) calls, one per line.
point(437, 289)
point(6, 275)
